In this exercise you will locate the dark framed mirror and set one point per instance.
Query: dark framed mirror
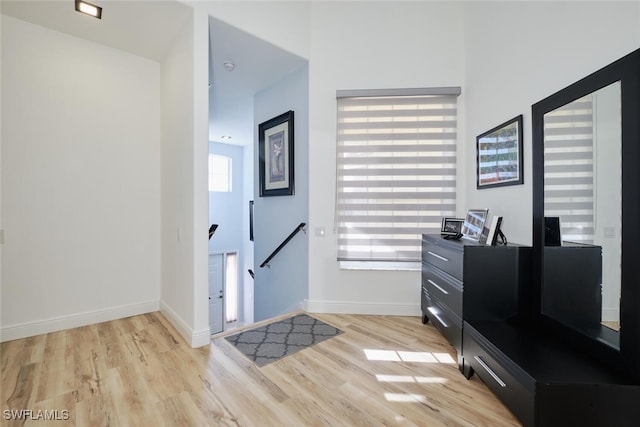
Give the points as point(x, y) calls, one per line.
point(586, 209)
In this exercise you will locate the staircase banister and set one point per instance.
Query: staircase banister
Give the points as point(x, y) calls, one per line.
point(283, 244)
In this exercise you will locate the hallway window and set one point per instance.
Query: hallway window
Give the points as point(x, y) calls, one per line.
point(219, 173)
point(396, 173)
point(231, 288)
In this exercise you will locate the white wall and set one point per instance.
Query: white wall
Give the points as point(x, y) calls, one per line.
point(283, 287)
point(184, 220)
point(177, 210)
point(518, 53)
point(368, 45)
point(80, 181)
point(248, 246)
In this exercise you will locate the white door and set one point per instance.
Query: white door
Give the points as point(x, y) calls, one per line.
point(216, 295)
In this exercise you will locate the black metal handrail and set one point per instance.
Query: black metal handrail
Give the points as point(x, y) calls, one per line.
point(283, 244)
point(212, 230)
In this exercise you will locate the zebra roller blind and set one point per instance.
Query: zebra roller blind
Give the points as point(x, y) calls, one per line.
point(568, 169)
point(396, 171)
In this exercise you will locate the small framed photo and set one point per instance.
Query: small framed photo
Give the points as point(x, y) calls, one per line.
point(473, 226)
point(494, 231)
point(275, 140)
point(451, 226)
point(499, 155)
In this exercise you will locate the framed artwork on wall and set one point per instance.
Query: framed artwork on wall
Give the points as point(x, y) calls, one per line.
point(276, 161)
point(499, 155)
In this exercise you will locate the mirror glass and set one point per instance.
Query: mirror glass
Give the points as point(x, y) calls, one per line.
point(583, 214)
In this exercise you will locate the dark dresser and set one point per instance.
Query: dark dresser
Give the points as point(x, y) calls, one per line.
point(449, 266)
point(480, 298)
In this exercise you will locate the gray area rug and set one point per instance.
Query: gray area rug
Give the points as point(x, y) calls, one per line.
point(268, 343)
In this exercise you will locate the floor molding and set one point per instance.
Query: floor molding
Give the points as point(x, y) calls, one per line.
point(54, 324)
point(195, 339)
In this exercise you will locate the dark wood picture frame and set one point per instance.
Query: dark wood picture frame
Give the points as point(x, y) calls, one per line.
point(276, 156)
point(499, 155)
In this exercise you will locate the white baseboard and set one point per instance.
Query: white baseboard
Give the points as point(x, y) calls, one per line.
point(382, 309)
point(201, 338)
point(195, 339)
point(54, 324)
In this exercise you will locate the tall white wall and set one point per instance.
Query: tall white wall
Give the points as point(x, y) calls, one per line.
point(80, 181)
point(283, 287)
point(518, 53)
point(368, 45)
point(184, 219)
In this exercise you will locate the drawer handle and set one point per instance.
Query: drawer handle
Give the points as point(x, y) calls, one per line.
point(490, 371)
point(444, 291)
point(440, 257)
point(435, 314)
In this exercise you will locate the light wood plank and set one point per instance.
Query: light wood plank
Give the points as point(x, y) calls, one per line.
point(138, 371)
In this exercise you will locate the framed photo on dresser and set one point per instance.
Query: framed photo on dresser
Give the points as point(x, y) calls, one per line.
point(473, 226)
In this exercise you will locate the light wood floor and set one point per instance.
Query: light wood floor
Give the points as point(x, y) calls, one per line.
point(138, 371)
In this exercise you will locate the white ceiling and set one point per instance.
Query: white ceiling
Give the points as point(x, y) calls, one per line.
point(258, 64)
point(144, 27)
point(147, 28)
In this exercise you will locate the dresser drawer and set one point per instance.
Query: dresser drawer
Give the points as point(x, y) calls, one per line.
point(448, 259)
point(444, 287)
point(449, 325)
point(505, 379)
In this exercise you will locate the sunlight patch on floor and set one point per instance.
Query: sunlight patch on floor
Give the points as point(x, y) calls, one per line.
point(386, 355)
point(407, 356)
point(404, 397)
point(410, 379)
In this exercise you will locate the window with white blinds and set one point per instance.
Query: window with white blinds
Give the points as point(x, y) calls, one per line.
point(568, 170)
point(396, 171)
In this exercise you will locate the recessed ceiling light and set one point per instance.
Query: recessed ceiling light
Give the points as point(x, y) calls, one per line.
point(89, 9)
point(225, 137)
